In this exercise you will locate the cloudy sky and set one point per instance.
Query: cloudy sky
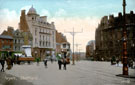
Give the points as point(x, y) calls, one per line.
point(67, 14)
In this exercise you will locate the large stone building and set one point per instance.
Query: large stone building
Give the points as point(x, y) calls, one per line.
point(90, 49)
point(109, 37)
point(44, 39)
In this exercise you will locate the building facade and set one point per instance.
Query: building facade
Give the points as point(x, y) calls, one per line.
point(19, 38)
point(60, 38)
point(6, 45)
point(109, 37)
point(43, 33)
point(90, 49)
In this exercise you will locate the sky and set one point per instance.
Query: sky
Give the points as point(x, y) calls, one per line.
point(66, 14)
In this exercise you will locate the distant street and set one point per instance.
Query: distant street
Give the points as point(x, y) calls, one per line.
point(83, 73)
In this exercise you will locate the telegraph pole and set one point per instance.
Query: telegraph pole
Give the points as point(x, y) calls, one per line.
point(125, 68)
point(73, 34)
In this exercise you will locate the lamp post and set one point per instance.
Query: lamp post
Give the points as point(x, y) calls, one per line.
point(125, 68)
point(133, 56)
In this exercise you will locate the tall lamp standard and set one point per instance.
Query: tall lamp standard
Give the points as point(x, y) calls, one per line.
point(125, 68)
point(133, 56)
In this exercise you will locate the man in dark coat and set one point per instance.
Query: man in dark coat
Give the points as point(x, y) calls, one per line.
point(60, 63)
point(45, 62)
point(2, 64)
point(64, 63)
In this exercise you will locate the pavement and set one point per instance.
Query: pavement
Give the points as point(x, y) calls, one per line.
point(82, 73)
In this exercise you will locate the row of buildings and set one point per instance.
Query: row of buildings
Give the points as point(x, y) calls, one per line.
point(109, 37)
point(36, 31)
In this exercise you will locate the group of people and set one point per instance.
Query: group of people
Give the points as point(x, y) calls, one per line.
point(9, 62)
point(117, 60)
point(61, 61)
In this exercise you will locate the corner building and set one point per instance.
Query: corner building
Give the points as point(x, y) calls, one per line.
point(44, 33)
point(109, 37)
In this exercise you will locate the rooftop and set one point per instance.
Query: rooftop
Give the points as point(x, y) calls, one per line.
point(5, 37)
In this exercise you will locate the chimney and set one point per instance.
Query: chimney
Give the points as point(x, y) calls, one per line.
point(120, 14)
point(131, 12)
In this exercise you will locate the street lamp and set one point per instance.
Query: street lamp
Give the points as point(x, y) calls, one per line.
point(133, 56)
point(125, 68)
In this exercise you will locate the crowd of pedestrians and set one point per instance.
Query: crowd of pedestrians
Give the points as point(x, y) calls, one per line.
point(62, 60)
point(130, 62)
point(8, 60)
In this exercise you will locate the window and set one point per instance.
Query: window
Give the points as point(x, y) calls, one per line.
point(40, 37)
point(15, 40)
point(64, 45)
point(46, 38)
point(40, 43)
point(35, 31)
point(18, 40)
point(53, 32)
point(46, 43)
point(43, 43)
point(35, 17)
point(49, 44)
point(35, 41)
point(18, 48)
point(45, 30)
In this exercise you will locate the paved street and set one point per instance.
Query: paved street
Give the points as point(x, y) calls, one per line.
point(83, 73)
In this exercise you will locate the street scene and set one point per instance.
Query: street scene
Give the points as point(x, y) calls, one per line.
point(67, 42)
point(83, 73)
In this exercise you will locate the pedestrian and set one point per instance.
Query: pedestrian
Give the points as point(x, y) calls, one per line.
point(60, 63)
point(2, 64)
point(59, 60)
point(117, 61)
point(51, 60)
point(45, 62)
point(64, 63)
point(111, 62)
point(131, 63)
point(28, 62)
point(37, 61)
point(17, 59)
point(12, 62)
point(8, 60)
